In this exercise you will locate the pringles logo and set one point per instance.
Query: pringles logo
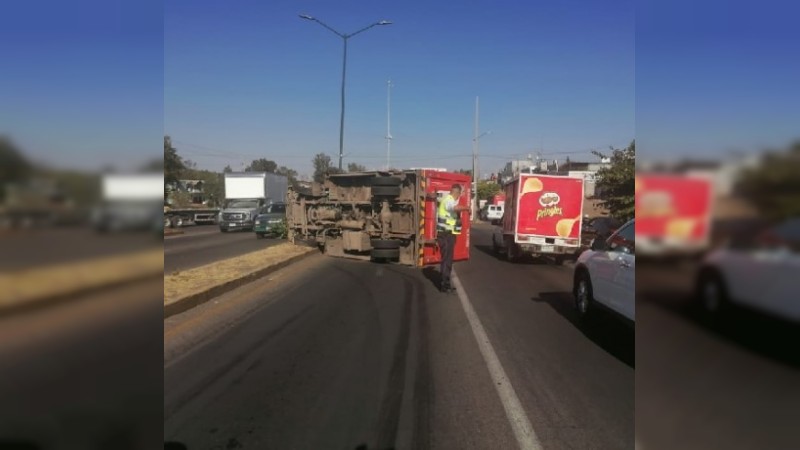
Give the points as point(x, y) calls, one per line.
point(550, 208)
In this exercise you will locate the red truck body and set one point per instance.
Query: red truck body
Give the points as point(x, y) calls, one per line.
point(543, 214)
point(440, 183)
point(673, 213)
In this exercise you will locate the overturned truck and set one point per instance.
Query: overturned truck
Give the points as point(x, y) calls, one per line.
point(377, 215)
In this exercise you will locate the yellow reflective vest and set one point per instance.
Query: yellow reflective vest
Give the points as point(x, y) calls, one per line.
point(445, 220)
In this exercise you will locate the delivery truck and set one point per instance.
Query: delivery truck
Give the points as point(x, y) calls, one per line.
point(130, 202)
point(673, 214)
point(386, 216)
point(542, 217)
point(246, 193)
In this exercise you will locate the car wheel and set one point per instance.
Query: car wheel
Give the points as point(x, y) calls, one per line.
point(712, 293)
point(583, 294)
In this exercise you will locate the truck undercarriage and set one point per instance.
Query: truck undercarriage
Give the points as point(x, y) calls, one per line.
point(371, 215)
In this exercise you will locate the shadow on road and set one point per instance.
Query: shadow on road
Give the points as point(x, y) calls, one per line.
point(750, 330)
point(610, 334)
point(433, 276)
point(527, 259)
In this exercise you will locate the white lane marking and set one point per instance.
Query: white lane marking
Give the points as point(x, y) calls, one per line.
point(523, 431)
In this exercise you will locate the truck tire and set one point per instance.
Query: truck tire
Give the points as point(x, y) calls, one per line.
point(386, 191)
point(512, 255)
point(385, 244)
point(385, 253)
point(177, 222)
point(386, 181)
point(559, 259)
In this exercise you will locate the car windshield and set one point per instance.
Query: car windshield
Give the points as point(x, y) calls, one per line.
point(243, 204)
point(277, 209)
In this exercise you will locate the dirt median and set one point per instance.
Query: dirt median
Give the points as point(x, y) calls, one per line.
point(186, 289)
point(35, 286)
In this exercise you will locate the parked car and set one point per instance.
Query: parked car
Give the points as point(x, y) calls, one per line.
point(269, 216)
point(494, 213)
point(759, 275)
point(604, 275)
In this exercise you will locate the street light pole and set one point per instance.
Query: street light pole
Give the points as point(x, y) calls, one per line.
point(344, 37)
point(388, 124)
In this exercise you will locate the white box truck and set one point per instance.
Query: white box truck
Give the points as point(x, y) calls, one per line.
point(130, 202)
point(246, 193)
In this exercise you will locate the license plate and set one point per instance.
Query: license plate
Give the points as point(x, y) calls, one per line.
point(548, 249)
point(233, 225)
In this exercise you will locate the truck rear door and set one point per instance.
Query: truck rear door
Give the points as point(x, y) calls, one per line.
point(549, 210)
point(439, 184)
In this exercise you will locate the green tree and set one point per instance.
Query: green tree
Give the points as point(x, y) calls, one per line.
point(173, 163)
point(13, 166)
point(616, 183)
point(291, 174)
point(262, 165)
point(227, 169)
point(487, 190)
point(774, 186)
point(355, 167)
point(323, 167)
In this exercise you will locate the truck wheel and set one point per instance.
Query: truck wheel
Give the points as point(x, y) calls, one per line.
point(224, 230)
point(385, 244)
point(177, 222)
point(511, 250)
point(386, 191)
point(167, 222)
point(386, 181)
point(385, 253)
point(559, 260)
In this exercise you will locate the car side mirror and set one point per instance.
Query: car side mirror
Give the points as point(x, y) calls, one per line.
point(598, 245)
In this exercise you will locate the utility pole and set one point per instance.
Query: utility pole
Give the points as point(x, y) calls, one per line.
point(475, 162)
point(388, 125)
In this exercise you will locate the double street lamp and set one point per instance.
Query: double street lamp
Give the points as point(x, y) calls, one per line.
point(344, 37)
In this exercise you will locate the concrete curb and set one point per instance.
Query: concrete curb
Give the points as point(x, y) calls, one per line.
point(67, 296)
point(173, 233)
point(186, 303)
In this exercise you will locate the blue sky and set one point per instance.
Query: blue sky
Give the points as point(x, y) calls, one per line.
point(81, 82)
point(250, 79)
point(96, 82)
point(716, 76)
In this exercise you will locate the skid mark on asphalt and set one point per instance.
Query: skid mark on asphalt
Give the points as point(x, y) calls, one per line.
point(520, 424)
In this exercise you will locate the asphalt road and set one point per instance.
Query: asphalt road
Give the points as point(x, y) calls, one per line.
point(708, 384)
point(26, 249)
point(331, 353)
point(85, 374)
point(204, 244)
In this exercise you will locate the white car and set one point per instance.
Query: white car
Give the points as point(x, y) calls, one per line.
point(494, 213)
point(761, 276)
point(605, 275)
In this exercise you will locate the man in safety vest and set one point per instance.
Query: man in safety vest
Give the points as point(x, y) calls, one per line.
point(448, 226)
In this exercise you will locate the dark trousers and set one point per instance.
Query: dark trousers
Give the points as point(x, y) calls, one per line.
point(447, 245)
